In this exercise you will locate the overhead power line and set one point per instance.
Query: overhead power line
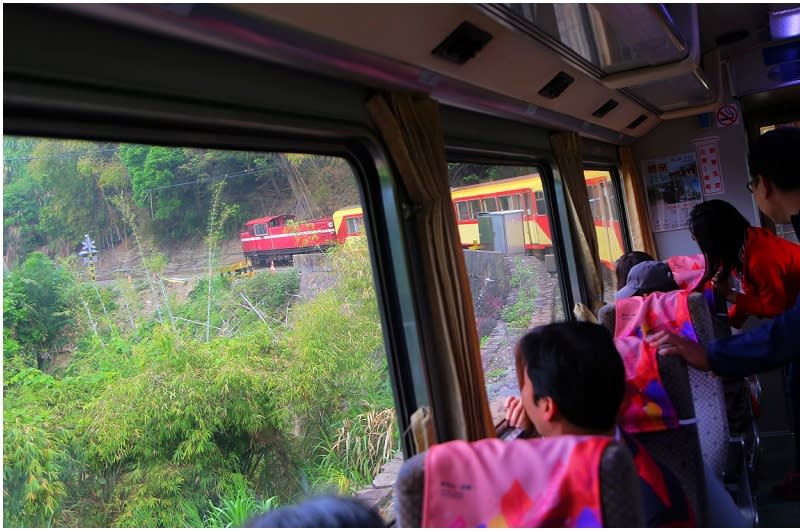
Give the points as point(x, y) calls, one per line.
point(61, 156)
point(207, 179)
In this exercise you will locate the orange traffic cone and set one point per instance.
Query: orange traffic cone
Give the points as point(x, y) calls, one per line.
point(272, 266)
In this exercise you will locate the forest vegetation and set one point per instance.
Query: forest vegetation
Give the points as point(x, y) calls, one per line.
point(176, 412)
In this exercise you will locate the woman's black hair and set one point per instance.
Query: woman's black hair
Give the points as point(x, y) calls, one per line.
point(625, 262)
point(720, 231)
point(322, 511)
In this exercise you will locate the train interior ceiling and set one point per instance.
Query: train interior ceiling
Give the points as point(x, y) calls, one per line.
point(650, 78)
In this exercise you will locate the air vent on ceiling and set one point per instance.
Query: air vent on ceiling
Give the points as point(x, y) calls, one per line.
point(462, 45)
point(556, 86)
point(634, 124)
point(606, 108)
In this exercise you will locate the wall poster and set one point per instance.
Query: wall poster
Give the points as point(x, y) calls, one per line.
point(673, 189)
point(710, 170)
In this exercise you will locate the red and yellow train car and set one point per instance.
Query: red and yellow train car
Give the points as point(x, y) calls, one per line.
point(277, 238)
point(268, 238)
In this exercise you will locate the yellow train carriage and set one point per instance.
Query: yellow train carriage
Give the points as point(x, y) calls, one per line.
point(348, 222)
point(605, 214)
point(524, 193)
point(516, 193)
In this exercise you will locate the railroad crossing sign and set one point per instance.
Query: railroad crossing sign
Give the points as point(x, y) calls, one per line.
point(88, 251)
point(89, 254)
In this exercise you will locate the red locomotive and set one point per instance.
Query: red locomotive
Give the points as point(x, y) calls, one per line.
point(277, 238)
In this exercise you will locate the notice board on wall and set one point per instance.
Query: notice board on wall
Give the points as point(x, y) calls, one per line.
point(673, 189)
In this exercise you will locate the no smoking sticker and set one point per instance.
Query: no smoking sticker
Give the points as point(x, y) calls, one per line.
point(727, 115)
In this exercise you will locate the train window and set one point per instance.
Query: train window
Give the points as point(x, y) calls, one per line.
point(541, 204)
point(518, 202)
point(490, 204)
point(605, 211)
point(512, 275)
point(610, 193)
point(462, 208)
point(475, 207)
point(594, 201)
point(528, 203)
point(260, 229)
point(181, 368)
point(505, 202)
point(354, 225)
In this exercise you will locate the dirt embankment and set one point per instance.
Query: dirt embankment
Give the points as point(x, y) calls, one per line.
point(184, 259)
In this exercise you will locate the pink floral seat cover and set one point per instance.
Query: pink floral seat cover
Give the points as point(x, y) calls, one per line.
point(550, 482)
point(687, 270)
point(646, 407)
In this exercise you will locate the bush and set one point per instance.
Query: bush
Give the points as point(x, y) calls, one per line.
point(36, 308)
point(519, 314)
point(190, 414)
point(34, 451)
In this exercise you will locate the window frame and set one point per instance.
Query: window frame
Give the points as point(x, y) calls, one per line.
point(539, 198)
point(395, 277)
point(616, 182)
point(552, 187)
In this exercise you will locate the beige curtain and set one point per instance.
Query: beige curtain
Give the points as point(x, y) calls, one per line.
point(638, 216)
point(411, 128)
point(569, 157)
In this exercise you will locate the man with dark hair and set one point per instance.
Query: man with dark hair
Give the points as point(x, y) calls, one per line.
point(624, 264)
point(775, 185)
point(572, 382)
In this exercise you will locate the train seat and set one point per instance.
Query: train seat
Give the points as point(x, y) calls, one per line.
point(619, 489)
point(708, 402)
point(708, 394)
point(678, 449)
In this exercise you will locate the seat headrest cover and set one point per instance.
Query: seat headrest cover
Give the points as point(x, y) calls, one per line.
point(646, 406)
point(549, 482)
point(687, 270)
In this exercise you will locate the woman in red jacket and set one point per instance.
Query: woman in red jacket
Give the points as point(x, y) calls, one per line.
point(767, 266)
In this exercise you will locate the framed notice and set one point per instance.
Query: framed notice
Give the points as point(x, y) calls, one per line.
point(673, 189)
point(709, 167)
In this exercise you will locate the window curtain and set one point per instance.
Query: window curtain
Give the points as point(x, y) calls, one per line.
point(638, 216)
point(411, 128)
point(568, 151)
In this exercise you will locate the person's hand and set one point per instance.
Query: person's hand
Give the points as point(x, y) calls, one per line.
point(515, 414)
point(722, 286)
point(671, 344)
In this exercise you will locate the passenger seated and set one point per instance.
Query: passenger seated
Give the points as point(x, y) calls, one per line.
point(323, 511)
point(625, 262)
point(645, 278)
point(572, 382)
